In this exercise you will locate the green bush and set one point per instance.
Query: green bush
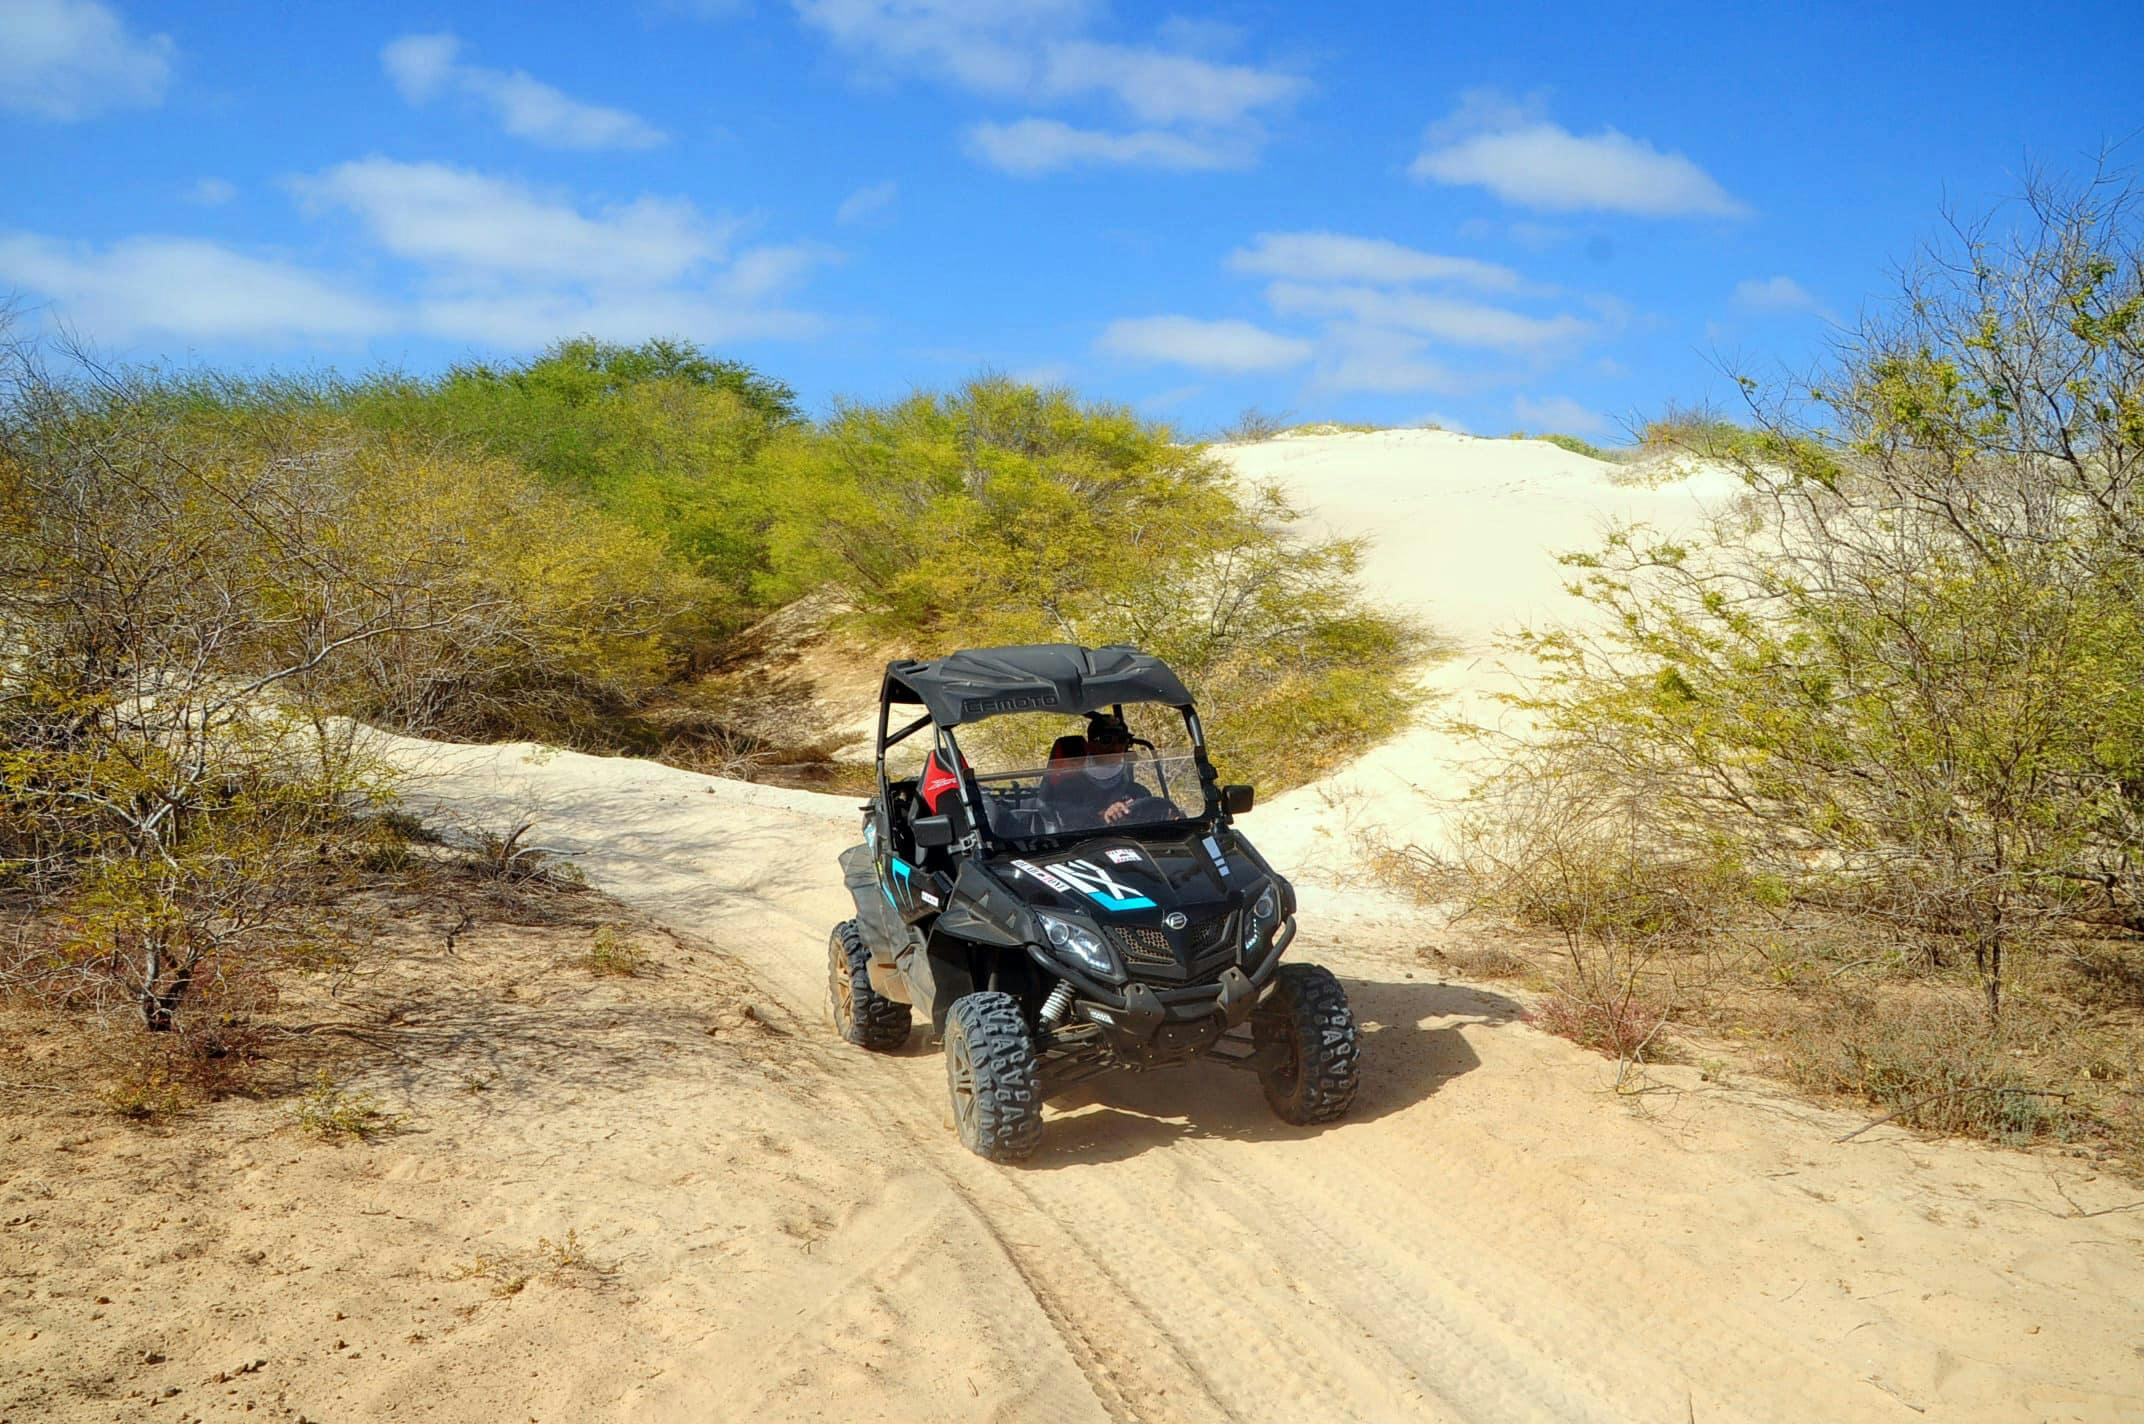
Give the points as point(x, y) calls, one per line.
point(1000, 513)
point(1571, 443)
point(1905, 676)
point(191, 590)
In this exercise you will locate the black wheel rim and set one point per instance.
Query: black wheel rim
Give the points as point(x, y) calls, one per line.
point(960, 1074)
point(1279, 1039)
point(1291, 1063)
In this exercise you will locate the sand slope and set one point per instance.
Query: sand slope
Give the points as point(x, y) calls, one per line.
point(1462, 535)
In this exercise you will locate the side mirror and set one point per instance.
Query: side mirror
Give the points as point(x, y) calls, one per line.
point(933, 832)
point(1237, 799)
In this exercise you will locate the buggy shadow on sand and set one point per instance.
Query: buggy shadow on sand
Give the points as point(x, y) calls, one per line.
point(1058, 918)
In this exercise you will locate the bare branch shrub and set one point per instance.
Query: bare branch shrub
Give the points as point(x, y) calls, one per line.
point(186, 601)
point(1903, 677)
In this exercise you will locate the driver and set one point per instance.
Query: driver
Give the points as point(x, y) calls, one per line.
point(1103, 791)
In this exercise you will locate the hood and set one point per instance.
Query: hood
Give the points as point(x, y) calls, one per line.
point(1113, 878)
point(1170, 906)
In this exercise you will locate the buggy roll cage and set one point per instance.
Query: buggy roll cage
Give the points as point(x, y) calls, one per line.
point(976, 684)
point(951, 759)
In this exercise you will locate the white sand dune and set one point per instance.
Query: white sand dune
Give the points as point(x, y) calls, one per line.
point(1492, 1236)
point(1462, 535)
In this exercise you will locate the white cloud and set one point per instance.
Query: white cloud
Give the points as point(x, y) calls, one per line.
point(504, 264)
point(183, 287)
point(760, 273)
point(1523, 158)
point(865, 201)
point(1457, 322)
point(450, 217)
point(488, 261)
point(212, 192)
point(73, 59)
point(1231, 346)
point(423, 67)
point(525, 320)
point(990, 45)
point(1189, 111)
point(1162, 88)
point(1163, 401)
point(1028, 148)
point(1200, 35)
point(1558, 415)
point(1379, 361)
point(1335, 257)
point(1774, 294)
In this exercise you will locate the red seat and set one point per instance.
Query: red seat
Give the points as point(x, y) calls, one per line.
point(1068, 758)
point(937, 780)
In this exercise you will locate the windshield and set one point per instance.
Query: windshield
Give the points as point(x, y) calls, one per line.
point(1048, 780)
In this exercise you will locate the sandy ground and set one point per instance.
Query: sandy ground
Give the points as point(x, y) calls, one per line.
point(773, 1225)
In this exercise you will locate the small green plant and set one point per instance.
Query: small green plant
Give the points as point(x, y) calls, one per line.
point(1571, 443)
point(562, 1262)
point(1934, 1063)
point(328, 1110)
point(560, 1257)
point(612, 955)
point(146, 1092)
point(1336, 427)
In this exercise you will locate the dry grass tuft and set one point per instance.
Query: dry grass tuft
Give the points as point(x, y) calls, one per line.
point(1487, 962)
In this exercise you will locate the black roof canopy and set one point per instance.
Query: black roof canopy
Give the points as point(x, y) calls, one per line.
point(1033, 677)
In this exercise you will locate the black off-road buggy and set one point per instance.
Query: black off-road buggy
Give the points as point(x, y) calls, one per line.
point(1057, 917)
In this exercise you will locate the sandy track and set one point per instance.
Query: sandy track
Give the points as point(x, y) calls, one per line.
point(1491, 1236)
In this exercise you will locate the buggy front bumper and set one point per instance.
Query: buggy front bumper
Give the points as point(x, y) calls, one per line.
point(1162, 1023)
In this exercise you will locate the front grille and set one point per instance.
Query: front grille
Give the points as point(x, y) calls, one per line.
point(1140, 945)
point(1157, 954)
point(1200, 940)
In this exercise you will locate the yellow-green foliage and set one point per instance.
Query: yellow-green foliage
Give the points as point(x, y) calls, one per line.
point(1571, 443)
point(574, 613)
point(1905, 677)
point(612, 955)
point(1001, 513)
point(331, 1111)
point(659, 435)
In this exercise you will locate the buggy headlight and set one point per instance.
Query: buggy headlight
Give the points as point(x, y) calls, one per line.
point(1080, 945)
point(1264, 912)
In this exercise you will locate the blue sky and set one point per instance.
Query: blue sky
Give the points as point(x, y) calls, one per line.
point(1552, 216)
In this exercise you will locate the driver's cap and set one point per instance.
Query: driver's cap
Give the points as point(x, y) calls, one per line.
point(1106, 727)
